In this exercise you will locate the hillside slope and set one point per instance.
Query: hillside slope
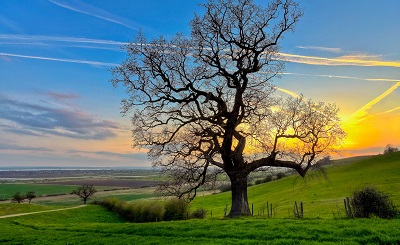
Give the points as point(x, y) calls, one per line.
point(321, 197)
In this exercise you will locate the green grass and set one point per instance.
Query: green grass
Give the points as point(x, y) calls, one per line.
point(321, 197)
point(94, 225)
point(12, 208)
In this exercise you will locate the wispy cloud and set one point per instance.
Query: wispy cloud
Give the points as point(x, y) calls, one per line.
point(333, 50)
point(354, 60)
point(61, 96)
point(87, 62)
point(10, 24)
point(84, 8)
point(44, 120)
point(15, 147)
point(134, 156)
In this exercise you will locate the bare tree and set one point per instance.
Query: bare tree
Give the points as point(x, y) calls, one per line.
point(30, 195)
point(84, 192)
point(204, 104)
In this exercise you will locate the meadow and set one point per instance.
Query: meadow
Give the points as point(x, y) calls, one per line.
point(324, 221)
point(94, 225)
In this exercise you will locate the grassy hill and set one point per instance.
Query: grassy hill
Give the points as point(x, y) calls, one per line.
point(321, 197)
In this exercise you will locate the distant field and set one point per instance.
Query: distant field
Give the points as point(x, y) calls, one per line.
point(7, 190)
point(94, 225)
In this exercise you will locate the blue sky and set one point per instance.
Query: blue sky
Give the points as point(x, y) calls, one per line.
point(57, 107)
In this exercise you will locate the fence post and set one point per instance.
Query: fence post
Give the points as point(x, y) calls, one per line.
point(301, 210)
point(225, 210)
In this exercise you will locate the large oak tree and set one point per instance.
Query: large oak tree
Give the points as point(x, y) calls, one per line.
point(205, 104)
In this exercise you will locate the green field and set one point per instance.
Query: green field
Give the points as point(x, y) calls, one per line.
point(321, 197)
point(94, 225)
point(7, 190)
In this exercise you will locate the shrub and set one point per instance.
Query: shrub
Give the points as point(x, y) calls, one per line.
point(146, 211)
point(368, 201)
point(268, 178)
point(280, 175)
point(225, 187)
point(18, 198)
point(175, 209)
point(199, 214)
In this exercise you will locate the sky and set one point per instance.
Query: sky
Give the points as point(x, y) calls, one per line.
point(58, 108)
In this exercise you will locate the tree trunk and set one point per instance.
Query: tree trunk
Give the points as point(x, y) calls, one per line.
point(240, 203)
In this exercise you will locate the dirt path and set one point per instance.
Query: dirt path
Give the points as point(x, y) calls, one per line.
point(38, 212)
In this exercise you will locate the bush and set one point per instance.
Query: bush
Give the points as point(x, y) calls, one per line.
point(175, 209)
point(147, 211)
point(368, 201)
point(225, 187)
point(268, 178)
point(280, 175)
point(199, 214)
point(18, 198)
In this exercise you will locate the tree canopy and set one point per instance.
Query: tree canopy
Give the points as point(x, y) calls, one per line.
point(205, 104)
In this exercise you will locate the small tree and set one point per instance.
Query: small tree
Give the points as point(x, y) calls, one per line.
point(390, 149)
point(84, 192)
point(30, 195)
point(18, 198)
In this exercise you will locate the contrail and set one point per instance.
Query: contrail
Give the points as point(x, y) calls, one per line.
point(88, 62)
point(344, 77)
point(61, 39)
point(340, 61)
point(363, 110)
point(84, 8)
point(291, 93)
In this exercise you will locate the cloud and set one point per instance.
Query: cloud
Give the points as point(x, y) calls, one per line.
point(88, 62)
point(4, 146)
point(43, 120)
point(10, 24)
point(137, 156)
point(62, 96)
point(333, 50)
point(354, 60)
point(84, 8)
